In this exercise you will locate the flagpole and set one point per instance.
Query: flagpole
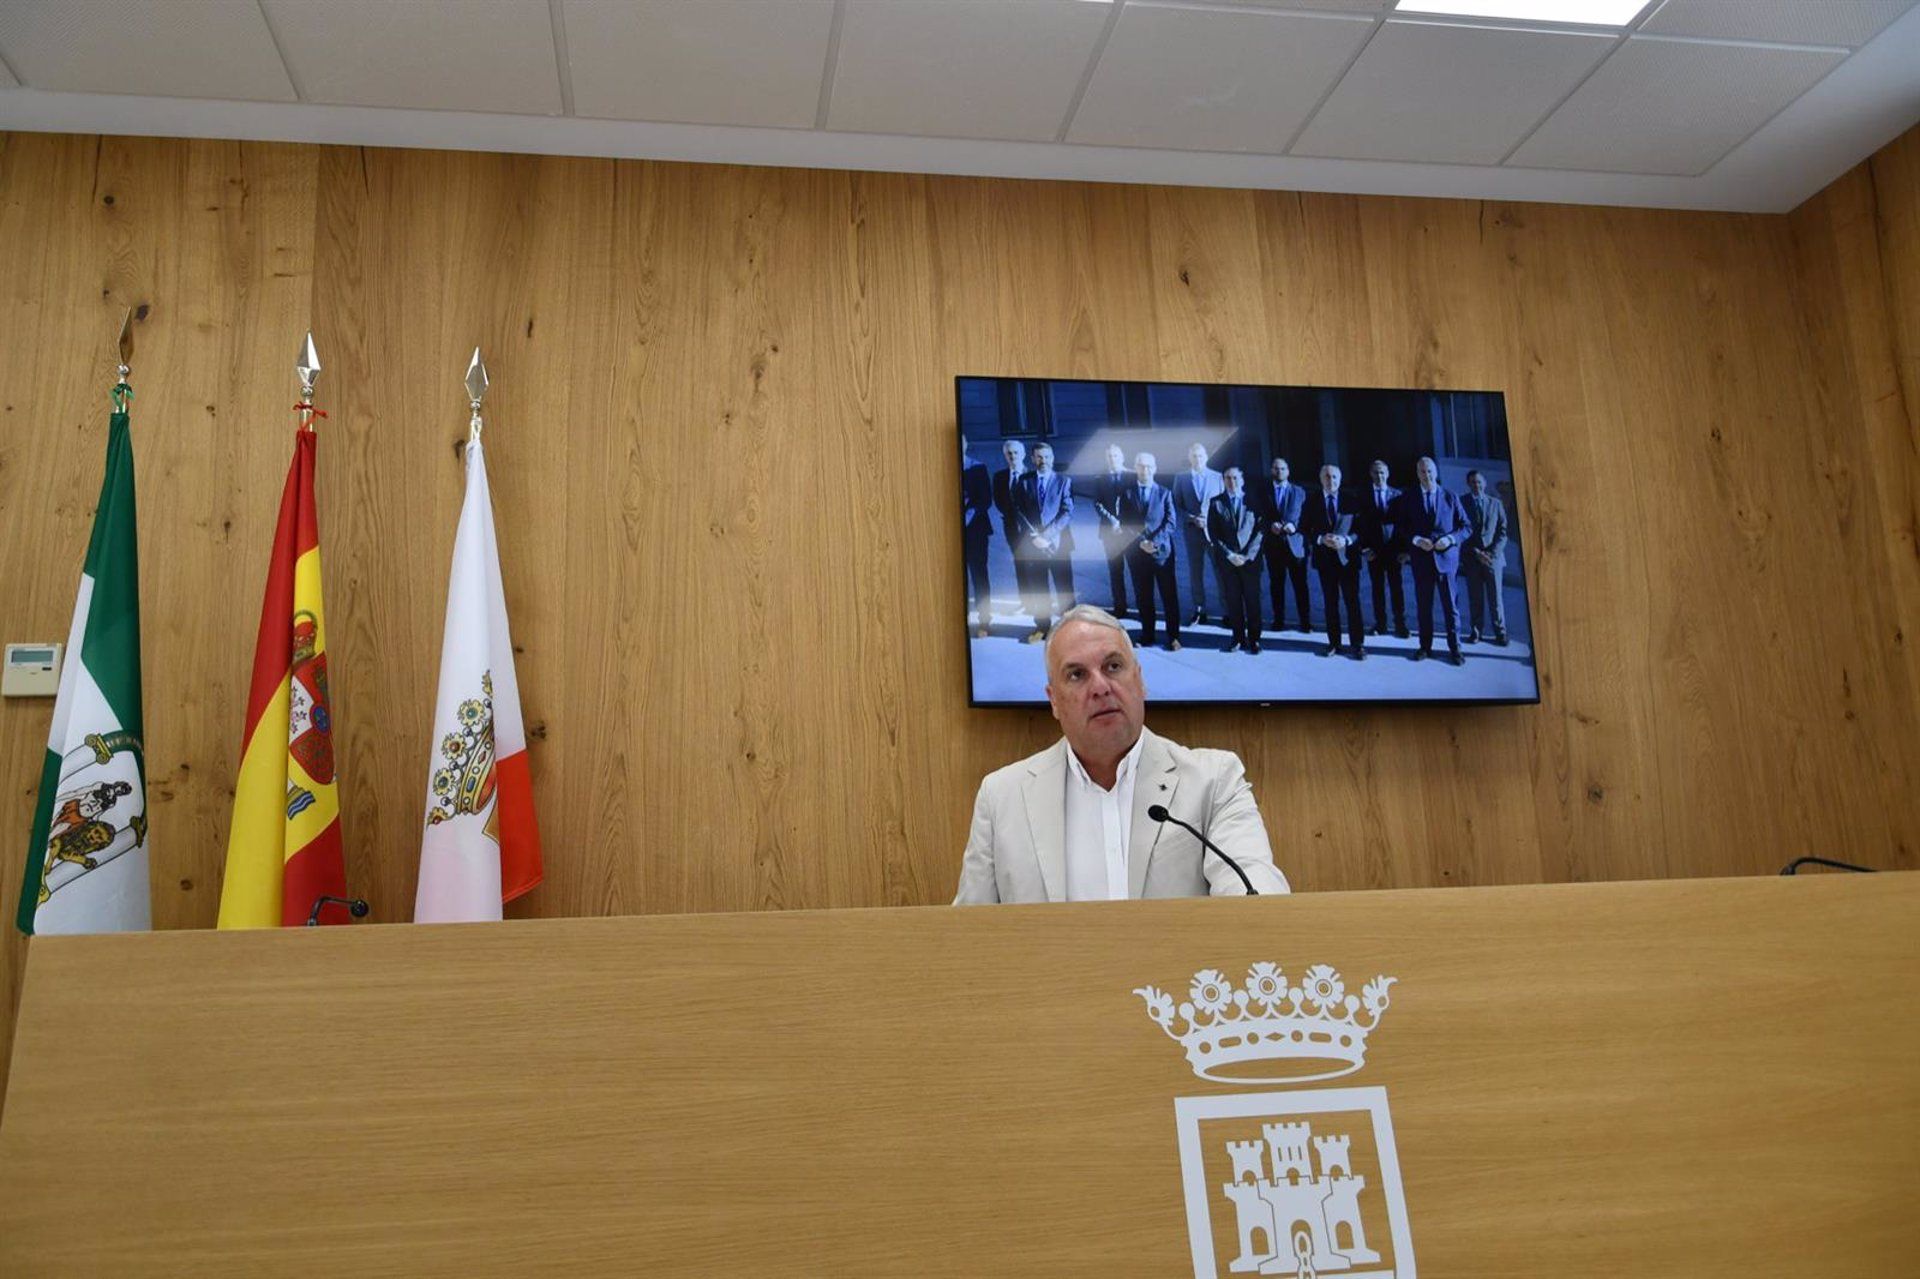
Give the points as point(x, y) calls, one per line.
point(122, 392)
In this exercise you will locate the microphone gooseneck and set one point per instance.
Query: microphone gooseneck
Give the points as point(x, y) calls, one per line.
point(1159, 813)
point(356, 906)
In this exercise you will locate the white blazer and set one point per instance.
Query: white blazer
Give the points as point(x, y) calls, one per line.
point(1016, 850)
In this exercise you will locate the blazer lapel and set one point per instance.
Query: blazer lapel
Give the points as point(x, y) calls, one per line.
point(1045, 796)
point(1154, 782)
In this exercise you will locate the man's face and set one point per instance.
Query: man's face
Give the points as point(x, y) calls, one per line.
point(1235, 481)
point(1015, 453)
point(1477, 484)
point(1281, 471)
point(1329, 479)
point(1116, 459)
point(1426, 471)
point(1197, 457)
point(1144, 468)
point(1043, 460)
point(1096, 689)
point(1379, 473)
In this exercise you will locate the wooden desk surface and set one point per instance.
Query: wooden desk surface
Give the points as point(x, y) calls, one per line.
point(1692, 1078)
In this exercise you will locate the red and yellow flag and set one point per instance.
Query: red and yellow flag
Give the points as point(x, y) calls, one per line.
point(284, 849)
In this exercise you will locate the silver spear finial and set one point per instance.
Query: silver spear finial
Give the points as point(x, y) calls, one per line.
point(308, 368)
point(477, 384)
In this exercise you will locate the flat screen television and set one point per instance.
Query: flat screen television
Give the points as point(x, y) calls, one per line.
point(1146, 498)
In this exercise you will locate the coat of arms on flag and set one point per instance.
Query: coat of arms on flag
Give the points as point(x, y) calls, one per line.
point(1302, 1181)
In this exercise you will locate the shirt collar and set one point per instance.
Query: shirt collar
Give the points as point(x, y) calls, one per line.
point(1120, 774)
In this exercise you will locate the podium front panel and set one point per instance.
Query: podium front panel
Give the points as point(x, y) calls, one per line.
point(1691, 1078)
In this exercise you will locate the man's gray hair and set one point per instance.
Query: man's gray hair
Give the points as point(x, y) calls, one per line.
point(1093, 615)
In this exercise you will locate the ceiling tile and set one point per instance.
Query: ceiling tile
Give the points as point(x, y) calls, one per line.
point(751, 62)
point(1843, 22)
point(1672, 106)
point(1338, 6)
point(1213, 79)
point(445, 55)
point(1449, 94)
point(962, 68)
point(183, 48)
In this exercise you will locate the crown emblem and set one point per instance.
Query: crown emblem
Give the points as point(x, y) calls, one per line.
point(1271, 1032)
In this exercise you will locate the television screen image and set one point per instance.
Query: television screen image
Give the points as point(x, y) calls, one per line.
point(1261, 544)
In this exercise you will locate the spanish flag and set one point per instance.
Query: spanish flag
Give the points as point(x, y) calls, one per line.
point(283, 852)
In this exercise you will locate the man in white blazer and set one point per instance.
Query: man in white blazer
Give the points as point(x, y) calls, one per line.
point(1071, 824)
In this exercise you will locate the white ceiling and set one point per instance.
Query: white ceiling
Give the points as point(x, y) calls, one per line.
point(1733, 104)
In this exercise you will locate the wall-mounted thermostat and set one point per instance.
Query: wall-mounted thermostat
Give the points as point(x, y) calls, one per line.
point(33, 670)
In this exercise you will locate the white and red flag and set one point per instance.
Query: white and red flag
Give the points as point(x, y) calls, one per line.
point(481, 847)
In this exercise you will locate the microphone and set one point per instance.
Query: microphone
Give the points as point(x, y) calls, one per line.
point(356, 906)
point(1159, 813)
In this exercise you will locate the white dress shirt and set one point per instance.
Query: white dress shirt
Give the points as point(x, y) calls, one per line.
point(1099, 826)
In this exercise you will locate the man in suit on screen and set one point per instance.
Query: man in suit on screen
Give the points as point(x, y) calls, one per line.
point(1147, 519)
point(976, 530)
point(1113, 540)
point(1071, 823)
point(1193, 491)
point(1431, 527)
point(1327, 522)
point(1377, 545)
point(1282, 505)
point(1042, 509)
point(1484, 562)
point(1233, 527)
point(1014, 453)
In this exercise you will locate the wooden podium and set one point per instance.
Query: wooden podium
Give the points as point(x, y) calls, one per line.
point(1691, 1078)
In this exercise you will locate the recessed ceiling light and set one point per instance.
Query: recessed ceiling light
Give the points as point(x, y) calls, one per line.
point(1591, 13)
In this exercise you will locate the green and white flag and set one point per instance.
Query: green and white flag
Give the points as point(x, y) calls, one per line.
point(87, 862)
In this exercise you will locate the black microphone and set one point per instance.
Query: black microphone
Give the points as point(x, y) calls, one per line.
point(357, 907)
point(1159, 813)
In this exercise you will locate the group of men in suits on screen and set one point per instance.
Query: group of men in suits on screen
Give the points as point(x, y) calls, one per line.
point(1215, 520)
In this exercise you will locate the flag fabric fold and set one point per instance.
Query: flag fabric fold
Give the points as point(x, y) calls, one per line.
point(480, 847)
point(87, 855)
point(283, 850)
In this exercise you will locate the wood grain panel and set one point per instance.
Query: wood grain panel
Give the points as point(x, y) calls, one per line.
point(211, 244)
point(721, 438)
point(1704, 1078)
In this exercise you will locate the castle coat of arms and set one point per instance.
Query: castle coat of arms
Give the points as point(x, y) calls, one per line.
point(1300, 1182)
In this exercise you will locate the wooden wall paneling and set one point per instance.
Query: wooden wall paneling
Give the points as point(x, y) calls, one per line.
point(1848, 252)
point(721, 450)
point(52, 407)
point(210, 243)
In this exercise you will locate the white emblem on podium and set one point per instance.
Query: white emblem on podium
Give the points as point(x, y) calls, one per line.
point(1301, 1181)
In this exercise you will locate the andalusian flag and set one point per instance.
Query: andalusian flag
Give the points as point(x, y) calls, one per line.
point(87, 861)
point(284, 849)
point(481, 847)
